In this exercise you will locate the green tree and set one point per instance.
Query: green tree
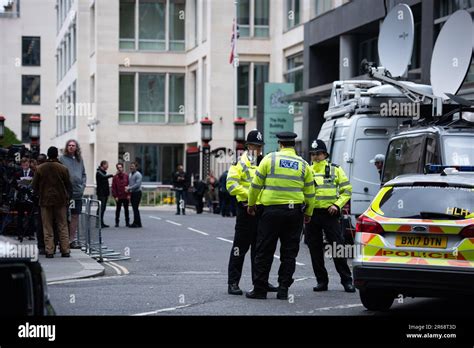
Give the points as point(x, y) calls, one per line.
point(9, 138)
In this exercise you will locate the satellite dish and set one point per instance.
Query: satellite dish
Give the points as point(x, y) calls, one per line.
point(452, 54)
point(395, 44)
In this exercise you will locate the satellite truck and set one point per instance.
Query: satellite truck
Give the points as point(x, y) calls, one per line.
point(363, 115)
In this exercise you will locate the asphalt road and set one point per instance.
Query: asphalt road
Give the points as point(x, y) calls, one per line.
point(178, 266)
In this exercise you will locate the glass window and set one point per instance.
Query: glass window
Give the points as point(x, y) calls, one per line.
point(30, 86)
point(152, 27)
point(243, 18)
point(292, 13)
point(25, 127)
point(177, 20)
point(437, 203)
point(204, 20)
point(260, 74)
point(31, 51)
point(151, 102)
point(404, 156)
point(458, 150)
point(261, 20)
point(294, 74)
point(127, 98)
point(322, 6)
point(176, 96)
point(127, 24)
point(368, 50)
point(243, 89)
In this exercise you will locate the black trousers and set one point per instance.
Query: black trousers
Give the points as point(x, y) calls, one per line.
point(330, 224)
point(103, 206)
point(118, 207)
point(199, 203)
point(23, 231)
point(135, 200)
point(181, 195)
point(277, 222)
point(245, 238)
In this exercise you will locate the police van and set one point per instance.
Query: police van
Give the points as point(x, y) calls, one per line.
point(359, 122)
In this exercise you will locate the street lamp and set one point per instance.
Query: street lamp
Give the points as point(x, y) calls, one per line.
point(239, 135)
point(206, 137)
point(2, 126)
point(34, 131)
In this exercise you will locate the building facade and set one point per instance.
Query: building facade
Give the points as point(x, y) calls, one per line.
point(27, 66)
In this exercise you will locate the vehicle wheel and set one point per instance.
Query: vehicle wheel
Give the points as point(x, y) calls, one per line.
point(376, 300)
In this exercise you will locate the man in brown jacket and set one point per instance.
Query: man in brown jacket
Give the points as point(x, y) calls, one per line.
point(52, 183)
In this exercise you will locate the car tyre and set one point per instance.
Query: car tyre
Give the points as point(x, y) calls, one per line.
point(376, 300)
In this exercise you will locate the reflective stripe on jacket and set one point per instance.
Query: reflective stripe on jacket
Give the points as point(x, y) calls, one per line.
point(335, 189)
point(283, 178)
point(239, 178)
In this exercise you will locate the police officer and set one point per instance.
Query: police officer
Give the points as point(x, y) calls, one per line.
point(238, 182)
point(284, 182)
point(333, 191)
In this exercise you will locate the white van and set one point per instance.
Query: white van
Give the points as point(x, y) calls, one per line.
point(358, 127)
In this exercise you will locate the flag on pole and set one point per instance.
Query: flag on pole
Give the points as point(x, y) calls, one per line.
point(233, 41)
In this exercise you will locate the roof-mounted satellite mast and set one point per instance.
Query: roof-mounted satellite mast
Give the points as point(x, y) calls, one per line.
point(450, 62)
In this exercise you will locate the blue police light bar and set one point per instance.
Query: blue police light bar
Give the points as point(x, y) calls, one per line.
point(438, 168)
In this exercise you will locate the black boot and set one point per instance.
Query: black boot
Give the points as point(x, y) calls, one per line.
point(321, 287)
point(234, 289)
point(272, 288)
point(282, 293)
point(256, 294)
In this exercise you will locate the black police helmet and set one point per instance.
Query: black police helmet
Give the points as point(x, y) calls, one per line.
point(318, 146)
point(255, 137)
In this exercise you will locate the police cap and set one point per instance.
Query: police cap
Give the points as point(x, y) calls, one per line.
point(286, 136)
point(255, 137)
point(318, 146)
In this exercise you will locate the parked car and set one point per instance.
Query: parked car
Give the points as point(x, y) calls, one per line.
point(417, 239)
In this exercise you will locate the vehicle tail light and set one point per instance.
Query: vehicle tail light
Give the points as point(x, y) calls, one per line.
point(467, 232)
point(366, 224)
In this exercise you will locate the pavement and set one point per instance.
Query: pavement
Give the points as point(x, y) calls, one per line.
point(79, 265)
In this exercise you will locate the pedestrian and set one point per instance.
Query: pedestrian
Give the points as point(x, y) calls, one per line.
point(135, 189)
point(284, 182)
point(103, 189)
point(199, 191)
point(238, 182)
point(211, 182)
point(52, 183)
point(72, 159)
point(37, 213)
point(24, 200)
point(378, 161)
point(121, 196)
point(180, 186)
point(333, 191)
point(224, 196)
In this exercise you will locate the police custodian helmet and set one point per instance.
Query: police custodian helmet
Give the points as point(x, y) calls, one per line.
point(255, 137)
point(318, 146)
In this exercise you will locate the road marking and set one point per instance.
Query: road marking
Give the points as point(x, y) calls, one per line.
point(81, 280)
point(301, 279)
point(154, 217)
point(194, 230)
point(339, 307)
point(298, 263)
point(225, 240)
point(200, 272)
point(119, 272)
point(172, 222)
point(123, 269)
point(161, 310)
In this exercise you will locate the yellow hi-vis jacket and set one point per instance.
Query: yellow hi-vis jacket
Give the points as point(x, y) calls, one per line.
point(239, 177)
point(283, 178)
point(332, 185)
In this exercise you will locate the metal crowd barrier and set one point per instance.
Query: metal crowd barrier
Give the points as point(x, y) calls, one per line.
point(89, 233)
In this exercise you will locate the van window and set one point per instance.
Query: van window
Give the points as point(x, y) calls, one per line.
point(458, 150)
point(365, 150)
point(432, 152)
point(405, 156)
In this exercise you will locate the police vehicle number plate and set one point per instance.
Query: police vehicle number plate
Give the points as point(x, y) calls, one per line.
point(421, 241)
point(289, 164)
